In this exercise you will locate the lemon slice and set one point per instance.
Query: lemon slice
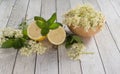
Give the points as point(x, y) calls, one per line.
point(34, 32)
point(57, 36)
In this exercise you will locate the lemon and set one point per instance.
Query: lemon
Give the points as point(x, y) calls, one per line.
point(34, 32)
point(57, 36)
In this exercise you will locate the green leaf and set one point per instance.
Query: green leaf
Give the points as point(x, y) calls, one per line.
point(77, 38)
point(22, 25)
point(68, 41)
point(71, 39)
point(41, 24)
point(59, 23)
point(39, 18)
point(54, 26)
point(52, 19)
point(44, 31)
point(24, 32)
point(8, 43)
point(18, 43)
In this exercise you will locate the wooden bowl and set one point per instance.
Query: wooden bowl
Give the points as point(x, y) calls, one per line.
point(81, 32)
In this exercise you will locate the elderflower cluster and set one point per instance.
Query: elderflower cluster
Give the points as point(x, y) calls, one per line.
point(25, 51)
point(11, 32)
point(8, 32)
point(18, 34)
point(2, 40)
point(34, 47)
point(84, 16)
point(75, 51)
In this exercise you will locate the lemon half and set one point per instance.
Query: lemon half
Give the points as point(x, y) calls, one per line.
point(34, 32)
point(57, 36)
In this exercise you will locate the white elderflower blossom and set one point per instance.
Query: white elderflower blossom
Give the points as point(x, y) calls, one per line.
point(75, 51)
point(33, 47)
point(25, 51)
point(18, 34)
point(84, 16)
point(37, 47)
point(9, 32)
point(2, 40)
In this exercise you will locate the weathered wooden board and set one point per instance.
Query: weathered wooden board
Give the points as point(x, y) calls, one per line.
point(6, 56)
point(105, 45)
point(5, 12)
point(17, 14)
point(24, 64)
point(47, 63)
point(91, 64)
point(112, 20)
point(66, 66)
point(116, 6)
point(105, 42)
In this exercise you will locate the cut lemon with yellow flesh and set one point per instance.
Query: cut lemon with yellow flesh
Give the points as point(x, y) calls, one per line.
point(57, 36)
point(34, 32)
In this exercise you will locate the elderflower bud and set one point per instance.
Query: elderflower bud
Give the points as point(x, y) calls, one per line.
point(37, 47)
point(18, 34)
point(2, 40)
point(75, 51)
point(25, 51)
point(9, 32)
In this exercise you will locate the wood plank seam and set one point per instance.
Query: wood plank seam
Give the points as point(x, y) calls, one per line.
point(27, 10)
point(57, 47)
point(36, 53)
point(14, 63)
point(98, 51)
point(7, 25)
point(18, 50)
point(109, 30)
point(35, 63)
point(79, 59)
point(114, 8)
point(81, 67)
point(100, 56)
point(113, 37)
point(11, 12)
point(58, 62)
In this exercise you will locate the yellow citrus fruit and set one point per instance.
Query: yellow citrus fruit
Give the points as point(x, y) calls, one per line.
point(34, 32)
point(57, 36)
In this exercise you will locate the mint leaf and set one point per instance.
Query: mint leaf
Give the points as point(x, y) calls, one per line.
point(77, 38)
point(24, 32)
point(15, 43)
point(52, 19)
point(18, 43)
point(71, 39)
point(54, 26)
point(59, 23)
point(68, 43)
point(44, 31)
point(39, 18)
point(22, 25)
point(41, 24)
point(8, 43)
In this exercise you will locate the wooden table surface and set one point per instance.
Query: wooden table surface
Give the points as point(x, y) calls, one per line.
point(105, 45)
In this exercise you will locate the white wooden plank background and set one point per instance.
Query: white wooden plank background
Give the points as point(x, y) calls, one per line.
point(105, 45)
point(47, 63)
point(94, 60)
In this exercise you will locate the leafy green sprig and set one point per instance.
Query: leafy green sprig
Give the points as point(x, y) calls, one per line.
point(15, 43)
point(71, 39)
point(23, 26)
point(47, 25)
